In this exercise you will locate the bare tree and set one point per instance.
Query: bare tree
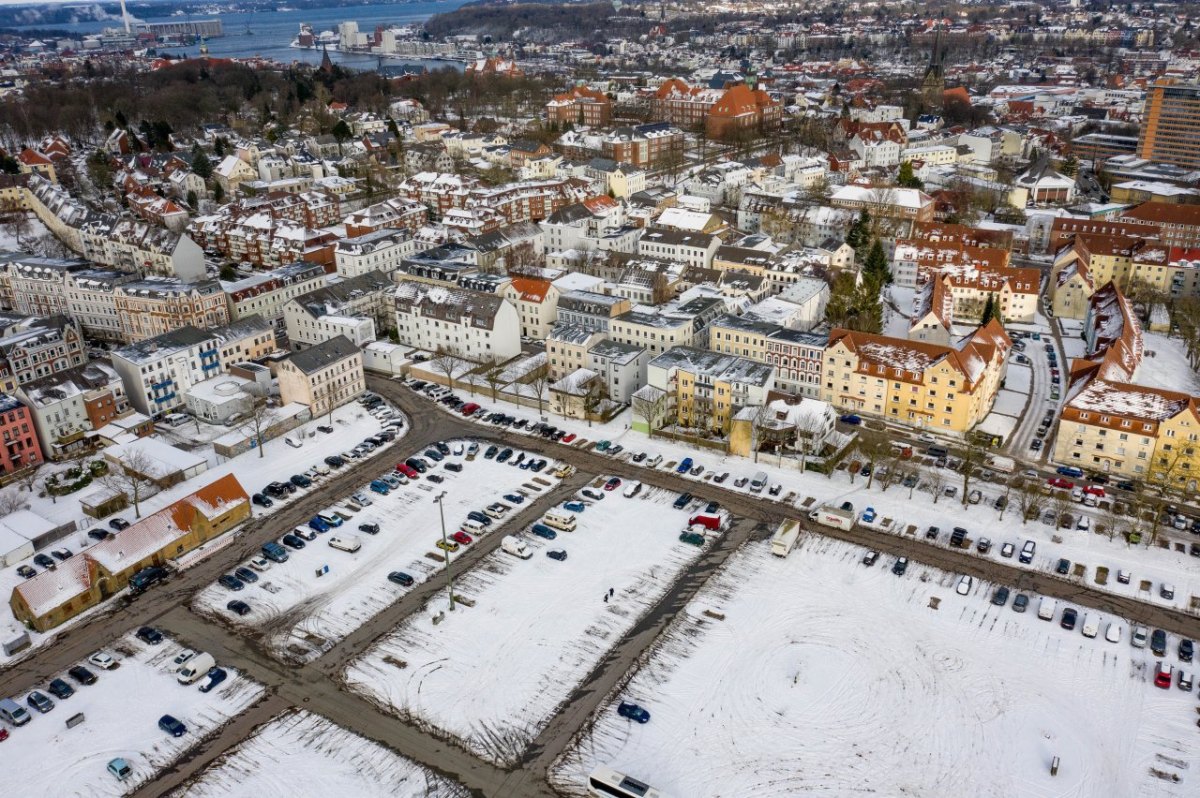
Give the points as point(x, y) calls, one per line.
point(938, 480)
point(972, 455)
point(494, 378)
point(873, 446)
point(131, 477)
point(261, 415)
point(446, 364)
point(539, 381)
point(15, 219)
point(593, 398)
point(649, 407)
point(1006, 496)
point(11, 502)
point(1029, 498)
point(1060, 503)
point(890, 468)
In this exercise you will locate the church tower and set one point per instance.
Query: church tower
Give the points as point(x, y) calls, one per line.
point(934, 83)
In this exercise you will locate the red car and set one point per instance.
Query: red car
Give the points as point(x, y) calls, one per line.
point(407, 471)
point(570, 436)
point(612, 484)
point(1059, 482)
point(1162, 675)
point(468, 408)
point(1096, 491)
point(3, 735)
point(461, 537)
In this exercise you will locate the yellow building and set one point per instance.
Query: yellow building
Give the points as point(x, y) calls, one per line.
point(567, 348)
point(704, 390)
point(1131, 430)
point(916, 383)
point(85, 580)
point(1091, 261)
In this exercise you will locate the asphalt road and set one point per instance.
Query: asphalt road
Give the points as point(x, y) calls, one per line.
point(317, 686)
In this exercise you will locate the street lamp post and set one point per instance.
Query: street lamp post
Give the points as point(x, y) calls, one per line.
point(446, 550)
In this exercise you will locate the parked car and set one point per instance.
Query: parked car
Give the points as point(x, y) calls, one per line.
point(633, 712)
point(557, 554)
point(246, 575)
point(231, 582)
point(1000, 596)
point(1069, 617)
point(26, 572)
point(682, 501)
point(965, 584)
point(462, 537)
point(543, 531)
point(1162, 675)
point(1007, 550)
point(691, 538)
point(1186, 650)
point(238, 606)
point(215, 676)
point(1020, 603)
point(82, 675)
point(870, 558)
point(900, 566)
point(45, 561)
point(149, 634)
point(261, 500)
point(447, 545)
point(60, 689)
point(400, 578)
point(103, 660)
point(172, 726)
point(40, 701)
point(292, 542)
point(119, 524)
point(1063, 567)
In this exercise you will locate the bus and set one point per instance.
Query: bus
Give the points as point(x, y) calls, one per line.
point(604, 782)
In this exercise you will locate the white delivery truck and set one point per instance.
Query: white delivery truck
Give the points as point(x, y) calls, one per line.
point(349, 543)
point(516, 547)
point(785, 538)
point(835, 517)
point(195, 667)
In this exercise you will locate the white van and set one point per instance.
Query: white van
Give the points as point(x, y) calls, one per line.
point(195, 667)
point(516, 547)
point(759, 482)
point(1091, 625)
point(1046, 608)
point(563, 522)
point(349, 543)
point(654, 461)
point(472, 527)
point(295, 441)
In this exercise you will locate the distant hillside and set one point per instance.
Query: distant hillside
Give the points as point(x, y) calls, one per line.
point(571, 20)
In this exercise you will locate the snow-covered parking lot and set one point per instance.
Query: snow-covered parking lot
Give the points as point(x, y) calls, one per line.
point(492, 674)
point(816, 674)
point(121, 712)
point(300, 754)
point(305, 609)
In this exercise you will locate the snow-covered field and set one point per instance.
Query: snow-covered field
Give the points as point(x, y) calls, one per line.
point(492, 675)
point(300, 754)
point(121, 710)
point(351, 424)
point(827, 677)
point(303, 613)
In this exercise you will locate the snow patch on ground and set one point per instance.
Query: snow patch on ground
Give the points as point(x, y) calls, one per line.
point(122, 710)
point(303, 612)
point(299, 753)
point(829, 677)
point(492, 675)
point(1168, 367)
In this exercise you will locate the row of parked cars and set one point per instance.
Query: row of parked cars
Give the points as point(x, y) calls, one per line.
point(49, 562)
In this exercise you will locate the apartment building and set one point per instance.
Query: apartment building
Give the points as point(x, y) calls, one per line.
point(645, 146)
point(70, 406)
point(907, 204)
point(591, 310)
point(1179, 225)
point(323, 377)
point(1170, 124)
point(155, 306)
point(693, 249)
point(580, 106)
point(472, 325)
point(397, 213)
point(1092, 261)
point(567, 348)
point(32, 347)
point(358, 308)
point(19, 446)
point(265, 293)
point(536, 301)
point(704, 390)
point(158, 371)
point(916, 383)
point(379, 251)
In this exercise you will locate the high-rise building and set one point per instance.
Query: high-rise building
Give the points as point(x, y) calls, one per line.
point(1171, 124)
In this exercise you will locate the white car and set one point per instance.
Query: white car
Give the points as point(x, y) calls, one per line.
point(633, 489)
point(1113, 633)
point(260, 563)
point(458, 450)
point(1007, 550)
point(964, 585)
point(362, 499)
point(184, 656)
point(1138, 639)
point(103, 660)
point(294, 441)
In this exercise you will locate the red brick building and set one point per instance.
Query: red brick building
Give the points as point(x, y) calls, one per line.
point(580, 106)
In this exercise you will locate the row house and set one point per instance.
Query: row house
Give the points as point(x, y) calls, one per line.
point(795, 355)
point(71, 406)
point(536, 301)
point(155, 306)
point(472, 325)
point(136, 246)
point(916, 383)
point(591, 310)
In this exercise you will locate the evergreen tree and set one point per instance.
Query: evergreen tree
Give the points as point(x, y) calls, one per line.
point(1070, 167)
point(906, 178)
point(875, 269)
point(990, 311)
point(857, 236)
point(200, 163)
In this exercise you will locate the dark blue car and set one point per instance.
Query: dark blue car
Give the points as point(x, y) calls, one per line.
point(172, 726)
point(543, 531)
point(316, 524)
point(684, 466)
point(632, 711)
point(215, 677)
